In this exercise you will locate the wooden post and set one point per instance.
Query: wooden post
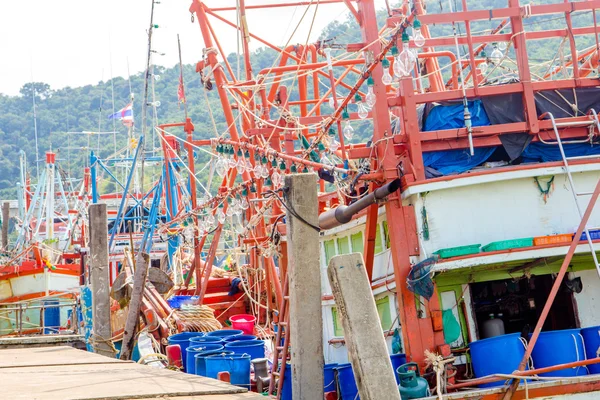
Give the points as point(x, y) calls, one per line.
point(100, 280)
point(137, 296)
point(362, 330)
point(5, 218)
point(306, 323)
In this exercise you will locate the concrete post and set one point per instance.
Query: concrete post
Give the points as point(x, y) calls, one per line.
point(306, 323)
point(100, 280)
point(362, 330)
point(5, 218)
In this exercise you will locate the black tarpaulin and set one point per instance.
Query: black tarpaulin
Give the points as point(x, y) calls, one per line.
point(515, 143)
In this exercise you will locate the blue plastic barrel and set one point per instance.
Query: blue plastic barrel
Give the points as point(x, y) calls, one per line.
point(237, 338)
point(238, 366)
point(346, 382)
point(51, 317)
point(286, 390)
point(183, 340)
point(206, 339)
point(591, 342)
point(497, 355)
point(200, 359)
point(223, 333)
point(191, 352)
point(329, 377)
point(397, 360)
point(559, 347)
point(255, 348)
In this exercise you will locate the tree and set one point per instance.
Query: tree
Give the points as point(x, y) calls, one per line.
point(42, 90)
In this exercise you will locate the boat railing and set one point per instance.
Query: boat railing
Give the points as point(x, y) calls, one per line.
point(44, 317)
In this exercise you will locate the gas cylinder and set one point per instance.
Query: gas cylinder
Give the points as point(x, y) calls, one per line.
point(412, 385)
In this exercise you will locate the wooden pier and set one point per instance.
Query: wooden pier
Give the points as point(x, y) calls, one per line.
point(65, 373)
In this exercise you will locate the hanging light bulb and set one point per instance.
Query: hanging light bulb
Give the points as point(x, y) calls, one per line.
point(221, 215)
point(331, 103)
point(248, 165)
point(244, 203)
point(348, 131)
point(386, 78)
point(240, 166)
point(325, 160)
point(497, 55)
point(362, 110)
point(370, 98)
point(221, 167)
point(210, 220)
point(483, 66)
point(502, 46)
point(418, 37)
point(229, 211)
point(276, 179)
point(334, 145)
point(398, 67)
point(406, 57)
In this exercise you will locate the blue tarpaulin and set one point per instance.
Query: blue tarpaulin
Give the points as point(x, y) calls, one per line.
point(540, 152)
point(448, 117)
point(449, 162)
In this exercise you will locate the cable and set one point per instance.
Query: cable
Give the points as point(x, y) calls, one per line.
point(289, 207)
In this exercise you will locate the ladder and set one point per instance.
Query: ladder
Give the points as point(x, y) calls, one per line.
point(593, 121)
point(280, 352)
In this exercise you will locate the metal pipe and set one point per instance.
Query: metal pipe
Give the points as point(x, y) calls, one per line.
point(495, 378)
point(343, 214)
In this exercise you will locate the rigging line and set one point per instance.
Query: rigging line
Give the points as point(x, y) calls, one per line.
point(37, 153)
point(180, 159)
point(296, 80)
point(112, 92)
point(100, 110)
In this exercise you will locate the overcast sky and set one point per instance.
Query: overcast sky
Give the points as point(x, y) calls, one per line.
point(71, 42)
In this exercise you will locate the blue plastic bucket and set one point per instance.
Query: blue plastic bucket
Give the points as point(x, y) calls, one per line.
point(237, 338)
point(223, 333)
point(591, 342)
point(200, 359)
point(559, 347)
point(183, 340)
point(346, 382)
point(238, 366)
point(193, 350)
point(497, 355)
point(255, 348)
point(397, 360)
point(51, 317)
point(205, 339)
point(329, 377)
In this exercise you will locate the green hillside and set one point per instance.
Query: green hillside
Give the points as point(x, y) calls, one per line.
point(87, 108)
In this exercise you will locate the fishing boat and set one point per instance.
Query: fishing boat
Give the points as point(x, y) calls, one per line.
point(487, 239)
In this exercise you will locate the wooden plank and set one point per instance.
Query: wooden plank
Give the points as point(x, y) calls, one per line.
point(237, 396)
point(105, 381)
point(46, 356)
point(362, 330)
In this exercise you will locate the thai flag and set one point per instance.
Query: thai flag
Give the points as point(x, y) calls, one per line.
point(125, 115)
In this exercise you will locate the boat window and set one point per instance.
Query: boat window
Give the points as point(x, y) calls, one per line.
point(383, 309)
point(386, 234)
point(358, 242)
point(343, 245)
point(378, 242)
point(329, 246)
point(338, 328)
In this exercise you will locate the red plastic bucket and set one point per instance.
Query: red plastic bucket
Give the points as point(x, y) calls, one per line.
point(244, 322)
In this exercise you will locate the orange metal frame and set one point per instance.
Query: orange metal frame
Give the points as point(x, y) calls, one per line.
point(400, 155)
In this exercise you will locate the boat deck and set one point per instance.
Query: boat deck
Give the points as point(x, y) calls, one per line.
point(63, 373)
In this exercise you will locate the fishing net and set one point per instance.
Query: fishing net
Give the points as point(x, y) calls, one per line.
point(419, 279)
